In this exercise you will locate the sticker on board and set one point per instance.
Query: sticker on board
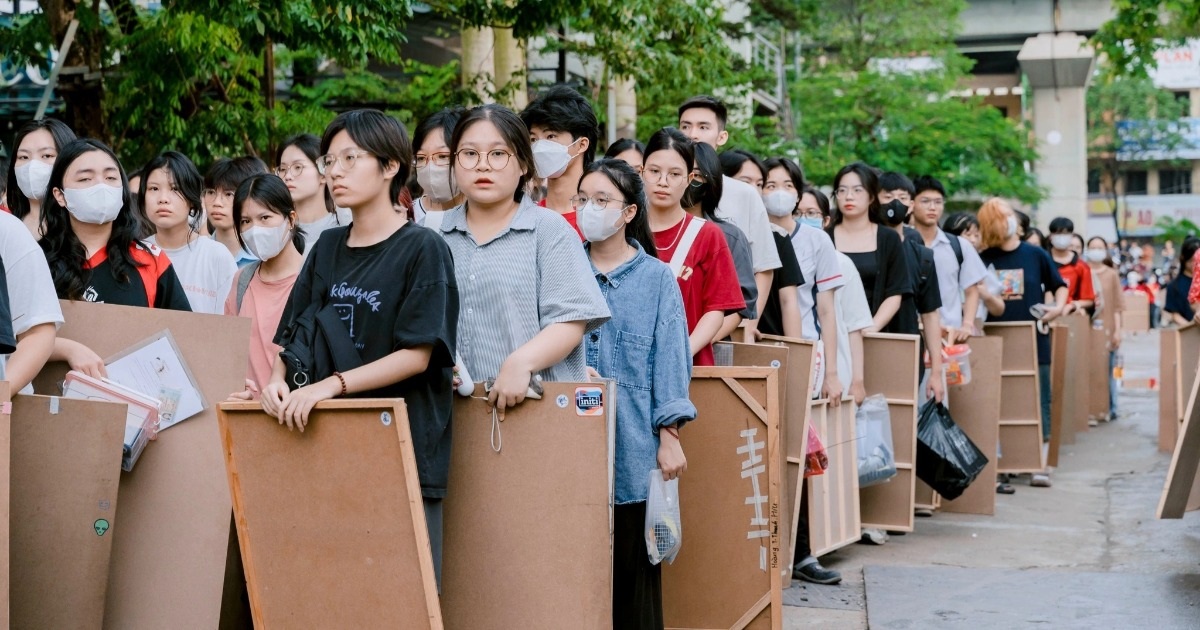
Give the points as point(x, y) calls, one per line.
point(589, 401)
point(101, 526)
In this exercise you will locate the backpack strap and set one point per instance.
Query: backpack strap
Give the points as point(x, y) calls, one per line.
point(685, 244)
point(245, 275)
point(956, 245)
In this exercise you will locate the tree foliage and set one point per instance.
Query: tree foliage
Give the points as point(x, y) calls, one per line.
point(1142, 27)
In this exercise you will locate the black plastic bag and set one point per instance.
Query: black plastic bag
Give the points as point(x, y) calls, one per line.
point(947, 459)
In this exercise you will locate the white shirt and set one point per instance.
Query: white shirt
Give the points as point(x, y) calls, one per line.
point(32, 299)
point(205, 270)
point(992, 282)
point(819, 265)
point(313, 231)
point(853, 314)
point(742, 205)
point(954, 279)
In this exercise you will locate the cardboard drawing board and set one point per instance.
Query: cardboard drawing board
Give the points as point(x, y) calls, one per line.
point(1098, 373)
point(176, 515)
point(341, 500)
point(1020, 400)
point(1181, 491)
point(975, 408)
point(727, 574)
point(1136, 316)
point(1169, 390)
point(834, 520)
point(5, 481)
point(1062, 408)
point(528, 531)
point(1078, 354)
point(65, 463)
point(890, 368)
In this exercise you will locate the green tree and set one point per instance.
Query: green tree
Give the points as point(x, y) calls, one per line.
point(878, 85)
point(1142, 27)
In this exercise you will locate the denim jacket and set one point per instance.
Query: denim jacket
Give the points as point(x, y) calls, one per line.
point(644, 347)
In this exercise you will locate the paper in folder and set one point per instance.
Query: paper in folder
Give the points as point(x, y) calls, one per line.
point(141, 420)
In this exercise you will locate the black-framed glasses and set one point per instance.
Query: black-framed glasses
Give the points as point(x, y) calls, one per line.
point(496, 159)
point(604, 201)
point(347, 160)
point(437, 159)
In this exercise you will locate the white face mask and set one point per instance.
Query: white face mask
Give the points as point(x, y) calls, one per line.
point(597, 223)
point(1060, 241)
point(32, 178)
point(780, 203)
point(436, 182)
point(267, 242)
point(97, 204)
point(550, 159)
point(1012, 226)
point(1095, 255)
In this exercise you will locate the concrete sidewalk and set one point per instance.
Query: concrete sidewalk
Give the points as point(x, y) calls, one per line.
point(1098, 518)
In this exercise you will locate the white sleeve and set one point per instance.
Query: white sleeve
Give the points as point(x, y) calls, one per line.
point(830, 273)
point(972, 269)
point(32, 298)
point(762, 245)
point(856, 311)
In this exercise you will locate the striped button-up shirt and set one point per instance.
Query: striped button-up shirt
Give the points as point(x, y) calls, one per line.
point(532, 274)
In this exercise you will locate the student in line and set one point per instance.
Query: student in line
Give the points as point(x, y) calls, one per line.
point(644, 347)
point(694, 248)
point(703, 119)
point(563, 130)
point(744, 167)
point(1177, 290)
point(33, 310)
point(296, 165)
point(966, 226)
point(700, 200)
point(220, 185)
point(392, 283)
point(528, 294)
point(269, 227)
point(170, 198)
point(959, 267)
point(91, 246)
point(38, 144)
point(822, 275)
point(1110, 305)
point(1026, 274)
point(433, 164)
point(1081, 294)
point(628, 150)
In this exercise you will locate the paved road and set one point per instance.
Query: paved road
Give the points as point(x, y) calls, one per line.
point(1075, 555)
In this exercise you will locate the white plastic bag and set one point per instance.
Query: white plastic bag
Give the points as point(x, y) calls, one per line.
point(664, 530)
point(876, 455)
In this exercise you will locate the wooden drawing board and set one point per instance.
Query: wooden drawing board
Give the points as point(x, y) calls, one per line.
point(1182, 484)
point(1076, 387)
point(5, 484)
point(1169, 389)
point(176, 515)
point(340, 499)
point(65, 463)
point(834, 518)
point(890, 368)
point(924, 497)
point(1136, 316)
point(975, 408)
point(727, 574)
point(1062, 424)
point(1098, 373)
point(528, 530)
point(1020, 399)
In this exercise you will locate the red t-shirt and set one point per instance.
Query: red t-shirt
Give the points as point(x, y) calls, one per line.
point(707, 280)
point(570, 217)
point(1078, 277)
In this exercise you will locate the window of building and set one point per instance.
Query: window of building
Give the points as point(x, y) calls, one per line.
point(1175, 182)
point(1184, 98)
point(1135, 183)
point(1093, 181)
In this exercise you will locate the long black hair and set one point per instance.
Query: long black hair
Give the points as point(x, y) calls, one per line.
point(870, 181)
point(706, 190)
point(627, 180)
point(65, 254)
point(310, 146)
point(672, 139)
point(184, 175)
point(18, 203)
point(733, 160)
point(624, 144)
point(271, 193)
point(511, 128)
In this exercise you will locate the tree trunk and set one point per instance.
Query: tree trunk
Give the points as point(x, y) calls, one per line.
point(626, 108)
point(510, 69)
point(478, 62)
point(79, 84)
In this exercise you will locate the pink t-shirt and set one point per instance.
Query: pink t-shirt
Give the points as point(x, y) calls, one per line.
point(263, 303)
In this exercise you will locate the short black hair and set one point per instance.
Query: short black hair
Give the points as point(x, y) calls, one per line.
point(1025, 224)
point(891, 180)
point(561, 108)
point(1188, 249)
point(18, 204)
point(271, 193)
point(822, 200)
point(710, 103)
point(627, 180)
point(733, 160)
point(511, 128)
point(624, 144)
point(925, 182)
point(795, 173)
point(1062, 225)
point(380, 135)
point(229, 173)
point(181, 172)
point(672, 139)
point(705, 192)
point(310, 146)
point(959, 222)
point(444, 119)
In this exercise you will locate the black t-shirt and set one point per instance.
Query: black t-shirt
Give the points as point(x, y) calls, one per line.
point(889, 275)
point(396, 294)
point(1177, 294)
point(155, 267)
point(8, 342)
point(789, 276)
point(926, 297)
point(1026, 274)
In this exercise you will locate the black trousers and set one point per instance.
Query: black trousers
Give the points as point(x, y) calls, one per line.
point(803, 550)
point(637, 584)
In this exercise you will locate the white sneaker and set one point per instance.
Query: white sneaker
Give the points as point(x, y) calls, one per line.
point(1040, 480)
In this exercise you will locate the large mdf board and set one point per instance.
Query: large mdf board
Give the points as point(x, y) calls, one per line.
point(1078, 354)
point(5, 484)
point(890, 368)
point(975, 408)
point(1098, 373)
point(65, 463)
point(341, 500)
point(834, 518)
point(175, 541)
point(1169, 390)
point(1062, 386)
point(727, 574)
point(1020, 399)
point(528, 530)
point(1181, 491)
point(1136, 316)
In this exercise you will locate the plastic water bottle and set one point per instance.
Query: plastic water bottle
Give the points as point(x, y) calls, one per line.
point(1119, 367)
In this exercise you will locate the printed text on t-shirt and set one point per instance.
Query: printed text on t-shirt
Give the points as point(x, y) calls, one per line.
point(359, 295)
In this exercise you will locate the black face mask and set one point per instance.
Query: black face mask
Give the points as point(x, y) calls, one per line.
point(894, 212)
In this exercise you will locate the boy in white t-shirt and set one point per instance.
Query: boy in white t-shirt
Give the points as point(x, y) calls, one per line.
point(33, 304)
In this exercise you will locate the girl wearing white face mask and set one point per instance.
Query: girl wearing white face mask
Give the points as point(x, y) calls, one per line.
point(433, 165)
point(1081, 293)
point(38, 143)
point(92, 248)
point(297, 167)
point(267, 227)
point(170, 197)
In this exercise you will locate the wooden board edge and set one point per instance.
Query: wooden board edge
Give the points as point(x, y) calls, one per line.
point(1184, 462)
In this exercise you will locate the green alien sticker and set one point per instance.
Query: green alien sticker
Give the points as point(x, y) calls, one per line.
point(101, 526)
